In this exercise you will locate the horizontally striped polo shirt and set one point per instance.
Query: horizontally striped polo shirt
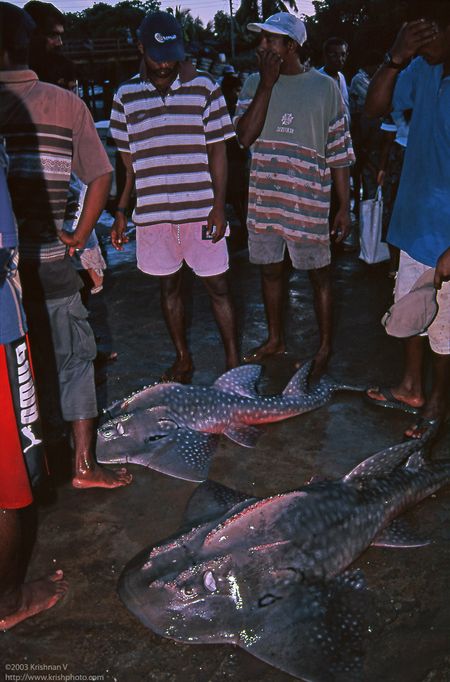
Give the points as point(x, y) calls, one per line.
point(167, 138)
point(305, 134)
point(49, 132)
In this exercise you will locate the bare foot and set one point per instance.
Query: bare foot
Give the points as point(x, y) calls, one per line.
point(181, 371)
point(431, 418)
point(37, 596)
point(106, 356)
point(100, 477)
point(266, 350)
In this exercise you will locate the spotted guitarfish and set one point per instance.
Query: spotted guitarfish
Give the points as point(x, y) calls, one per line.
point(174, 428)
point(270, 575)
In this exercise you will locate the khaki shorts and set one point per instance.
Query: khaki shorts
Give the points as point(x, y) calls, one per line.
point(268, 247)
point(161, 250)
point(438, 332)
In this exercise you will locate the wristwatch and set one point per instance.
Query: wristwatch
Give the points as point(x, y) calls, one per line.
point(389, 62)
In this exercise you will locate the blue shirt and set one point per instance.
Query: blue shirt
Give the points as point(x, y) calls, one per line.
point(12, 318)
point(420, 222)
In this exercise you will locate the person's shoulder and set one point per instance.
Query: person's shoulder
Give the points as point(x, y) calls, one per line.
point(131, 85)
point(419, 67)
point(60, 97)
point(321, 79)
point(251, 82)
point(202, 80)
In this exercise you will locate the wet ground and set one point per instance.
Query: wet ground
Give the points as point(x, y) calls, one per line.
point(92, 534)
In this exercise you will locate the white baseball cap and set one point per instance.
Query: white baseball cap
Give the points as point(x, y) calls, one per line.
point(282, 23)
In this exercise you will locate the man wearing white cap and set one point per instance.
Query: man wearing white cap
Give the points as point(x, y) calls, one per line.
point(295, 121)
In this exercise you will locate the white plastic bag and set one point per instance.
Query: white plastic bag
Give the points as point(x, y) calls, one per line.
point(373, 250)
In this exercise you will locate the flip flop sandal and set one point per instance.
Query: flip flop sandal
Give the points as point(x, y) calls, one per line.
point(391, 401)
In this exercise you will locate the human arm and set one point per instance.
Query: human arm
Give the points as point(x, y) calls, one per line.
point(341, 224)
point(118, 236)
point(442, 273)
point(387, 140)
point(94, 203)
point(411, 37)
point(251, 123)
point(218, 168)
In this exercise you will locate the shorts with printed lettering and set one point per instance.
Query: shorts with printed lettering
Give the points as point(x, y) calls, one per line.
point(269, 247)
point(19, 425)
point(438, 332)
point(161, 250)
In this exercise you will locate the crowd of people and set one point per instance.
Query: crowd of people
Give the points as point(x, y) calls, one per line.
point(172, 129)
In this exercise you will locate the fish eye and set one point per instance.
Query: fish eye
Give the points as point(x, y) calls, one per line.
point(209, 581)
point(267, 600)
point(188, 591)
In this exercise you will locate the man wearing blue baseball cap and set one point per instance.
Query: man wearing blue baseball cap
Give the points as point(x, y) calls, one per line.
point(170, 124)
point(294, 120)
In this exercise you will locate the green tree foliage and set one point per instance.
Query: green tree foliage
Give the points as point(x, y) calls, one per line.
point(106, 21)
point(222, 26)
point(193, 28)
point(249, 10)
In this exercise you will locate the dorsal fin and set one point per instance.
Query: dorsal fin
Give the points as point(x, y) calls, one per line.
point(299, 382)
point(385, 461)
point(209, 501)
point(240, 381)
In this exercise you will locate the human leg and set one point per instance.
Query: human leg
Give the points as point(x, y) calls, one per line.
point(267, 249)
point(436, 405)
point(409, 392)
point(222, 306)
point(272, 284)
point(410, 388)
point(320, 279)
point(21, 601)
point(71, 351)
point(172, 305)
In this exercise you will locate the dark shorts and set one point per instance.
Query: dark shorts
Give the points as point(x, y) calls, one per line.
point(19, 425)
point(64, 348)
point(269, 247)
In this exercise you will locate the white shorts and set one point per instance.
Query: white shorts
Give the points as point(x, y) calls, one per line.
point(161, 250)
point(438, 332)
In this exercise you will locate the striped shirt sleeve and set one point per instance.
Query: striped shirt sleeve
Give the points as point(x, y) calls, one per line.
point(217, 122)
point(338, 150)
point(118, 125)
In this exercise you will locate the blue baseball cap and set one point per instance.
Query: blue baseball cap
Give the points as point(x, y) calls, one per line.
point(162, 38)
point(284, 24)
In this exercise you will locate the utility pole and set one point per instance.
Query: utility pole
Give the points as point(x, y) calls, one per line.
point(232, 30)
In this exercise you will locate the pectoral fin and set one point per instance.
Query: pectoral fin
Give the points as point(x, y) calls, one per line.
point(400, 536)
point(183, 454)
point(243, 434)
point(314, 632)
